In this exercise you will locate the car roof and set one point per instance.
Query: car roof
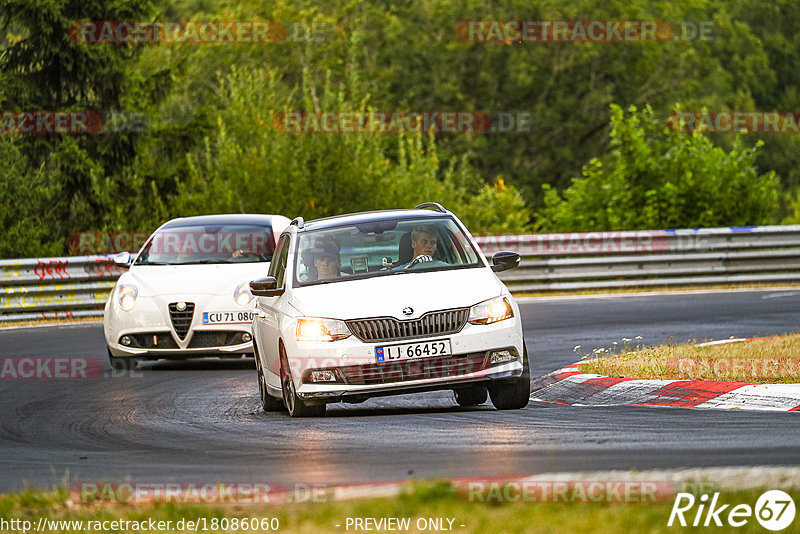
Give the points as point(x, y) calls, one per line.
point(223, 218)
point(370, 216)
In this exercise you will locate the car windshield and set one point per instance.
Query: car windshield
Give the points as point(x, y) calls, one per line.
point(210, 243)
point(381, 248)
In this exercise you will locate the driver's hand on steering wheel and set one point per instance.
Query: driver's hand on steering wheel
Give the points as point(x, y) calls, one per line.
point(420, 259)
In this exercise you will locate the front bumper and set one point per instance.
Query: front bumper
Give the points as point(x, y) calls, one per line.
point(359, 376)
point(151, 333)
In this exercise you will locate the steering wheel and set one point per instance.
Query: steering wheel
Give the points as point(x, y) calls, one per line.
point(425, 260)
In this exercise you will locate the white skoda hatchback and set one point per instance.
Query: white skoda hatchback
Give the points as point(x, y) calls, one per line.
point(385, 303)
point(186, 292)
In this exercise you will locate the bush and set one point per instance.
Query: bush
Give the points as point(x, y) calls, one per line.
point(655, 178)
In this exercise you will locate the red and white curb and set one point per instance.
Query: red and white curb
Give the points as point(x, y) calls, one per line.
point(573, 387)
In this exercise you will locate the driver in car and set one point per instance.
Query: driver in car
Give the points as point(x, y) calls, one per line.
point(323, 260)
point(423, 243)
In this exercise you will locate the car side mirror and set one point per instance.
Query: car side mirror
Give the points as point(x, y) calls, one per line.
point(123, 260)
point(266, 287)
point(503, 261)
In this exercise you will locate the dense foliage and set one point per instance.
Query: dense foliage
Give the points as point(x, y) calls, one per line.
point(652, 178)
point(210, 144)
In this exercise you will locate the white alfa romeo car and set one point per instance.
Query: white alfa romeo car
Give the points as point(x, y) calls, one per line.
point(186, 293)
point(384, 303)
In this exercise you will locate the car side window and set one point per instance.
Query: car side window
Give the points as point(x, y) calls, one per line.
point(278, 266)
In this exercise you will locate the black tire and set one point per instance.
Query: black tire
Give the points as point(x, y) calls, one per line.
point(268, 402)
point(513, 394)
point(122, 363)
point(294, 404)
point(473, 396)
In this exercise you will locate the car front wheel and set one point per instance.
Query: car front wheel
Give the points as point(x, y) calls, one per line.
point(294, 404)
point(513, 394)
point(268, 402)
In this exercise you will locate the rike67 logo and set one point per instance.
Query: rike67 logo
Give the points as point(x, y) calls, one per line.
point(774, 510)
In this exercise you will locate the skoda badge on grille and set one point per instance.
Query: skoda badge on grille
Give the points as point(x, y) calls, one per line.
point(408, 311)
point(180, 306)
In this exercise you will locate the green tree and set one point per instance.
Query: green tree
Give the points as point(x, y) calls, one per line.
point(43, 68)
point(25, 195)
point(247, 163)
point(655, 178)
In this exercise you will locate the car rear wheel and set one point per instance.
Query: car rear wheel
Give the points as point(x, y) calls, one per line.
point(122, 363)
point(471, 396)
point(513, 394)
point(294, 404)
point(268, 402)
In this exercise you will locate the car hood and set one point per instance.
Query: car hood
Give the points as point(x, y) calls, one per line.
point(211, 279)
point(387, 296)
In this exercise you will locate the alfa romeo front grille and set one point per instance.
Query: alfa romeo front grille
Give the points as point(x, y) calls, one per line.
point(416, 369)
point(437, 323)
point(181, 320)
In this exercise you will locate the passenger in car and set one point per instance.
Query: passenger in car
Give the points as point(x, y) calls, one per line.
point(323, 261)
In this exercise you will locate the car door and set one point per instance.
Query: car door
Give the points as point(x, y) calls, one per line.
point(268, 315)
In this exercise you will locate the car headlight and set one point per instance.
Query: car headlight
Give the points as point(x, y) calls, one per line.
point(242, 295)
point(491, 311)
point(317, 329)
point(126, 296)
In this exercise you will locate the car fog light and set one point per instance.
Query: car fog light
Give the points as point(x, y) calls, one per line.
point(502, 356)
point(126, 340)
point(246, 337)
point(322, 376)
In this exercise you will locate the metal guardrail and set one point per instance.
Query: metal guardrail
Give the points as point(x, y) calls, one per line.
point(608, 260)
point(39, 288)
point(78, 286)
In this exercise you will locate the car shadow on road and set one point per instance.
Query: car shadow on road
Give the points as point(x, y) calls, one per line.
point(201, 364)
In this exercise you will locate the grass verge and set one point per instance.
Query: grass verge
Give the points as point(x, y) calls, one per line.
point(423, 502)
point(762, 360)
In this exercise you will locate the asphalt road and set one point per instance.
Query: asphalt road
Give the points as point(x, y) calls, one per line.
point(201, 421)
